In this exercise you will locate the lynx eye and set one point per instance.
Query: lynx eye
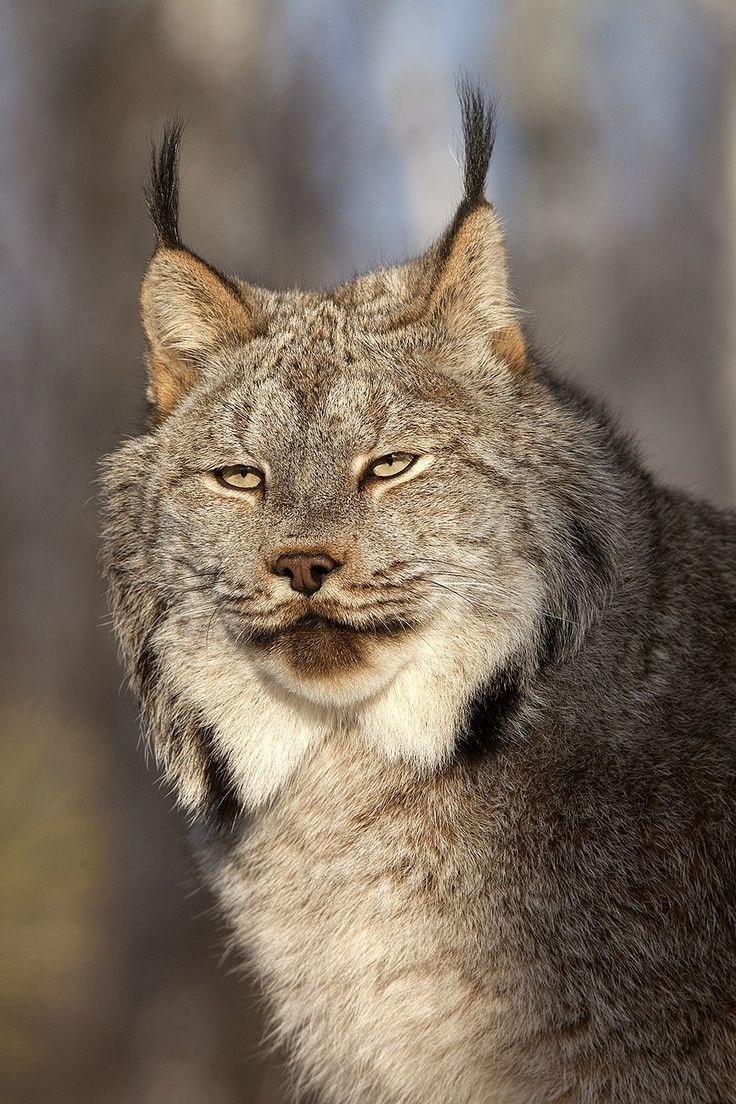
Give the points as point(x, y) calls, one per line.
point(240, 477)
point(394, 464)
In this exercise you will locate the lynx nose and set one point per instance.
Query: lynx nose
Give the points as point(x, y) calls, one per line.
point(305, 570)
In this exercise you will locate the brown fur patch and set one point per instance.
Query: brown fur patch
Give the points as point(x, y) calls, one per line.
point(169, 381)
point(321, 650)
point(188, 310)
point(470, 290)
point(316, 647)
point(509, 346)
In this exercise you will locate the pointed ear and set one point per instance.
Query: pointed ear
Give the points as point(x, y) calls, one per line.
point(460, 286)
point(189, 309)
point(469, 288)
point(469, 293)
point(189, 312)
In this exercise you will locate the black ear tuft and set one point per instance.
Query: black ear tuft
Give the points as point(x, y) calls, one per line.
point(162, 192)
point(479, 133)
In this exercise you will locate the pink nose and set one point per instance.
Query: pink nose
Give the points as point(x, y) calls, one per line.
point(305, 570)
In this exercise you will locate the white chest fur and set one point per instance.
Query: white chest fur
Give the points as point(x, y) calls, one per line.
point(343, 897)
point(358, 891)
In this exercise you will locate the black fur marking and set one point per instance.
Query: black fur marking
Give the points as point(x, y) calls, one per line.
point(146, 670)
point(587, 547)
point(162, 191)
point(479, 134)
point(555, 637)
point(493, 706)
point(222, 806)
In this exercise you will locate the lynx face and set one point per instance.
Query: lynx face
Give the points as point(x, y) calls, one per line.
point(353, 509)
point(383, 561)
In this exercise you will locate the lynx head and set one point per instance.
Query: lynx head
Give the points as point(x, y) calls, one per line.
point(353, 509)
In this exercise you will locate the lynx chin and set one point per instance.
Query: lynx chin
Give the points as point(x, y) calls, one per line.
point(443, 679)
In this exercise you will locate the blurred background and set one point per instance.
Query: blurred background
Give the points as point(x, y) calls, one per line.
point(321, 139)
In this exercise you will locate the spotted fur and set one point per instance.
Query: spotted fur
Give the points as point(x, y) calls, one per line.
point(470, 808)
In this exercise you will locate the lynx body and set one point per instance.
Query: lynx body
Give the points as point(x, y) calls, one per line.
point(444, 681)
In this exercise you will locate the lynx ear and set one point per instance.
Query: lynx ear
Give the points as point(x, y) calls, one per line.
point(189, 309)
point(469, 290)
point(189, 312)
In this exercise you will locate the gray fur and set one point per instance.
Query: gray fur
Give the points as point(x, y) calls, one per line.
point(478, 843)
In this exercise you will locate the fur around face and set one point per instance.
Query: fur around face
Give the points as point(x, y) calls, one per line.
point(470, 806)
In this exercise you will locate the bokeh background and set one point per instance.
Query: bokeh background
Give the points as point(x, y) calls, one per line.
point(321, 139)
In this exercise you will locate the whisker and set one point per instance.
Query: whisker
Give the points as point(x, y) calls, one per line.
point(479, 587)
point(185, 615)
point(209, 627)
point(242, 606)
point(453, 591)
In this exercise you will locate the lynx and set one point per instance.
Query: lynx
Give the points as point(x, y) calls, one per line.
point(443, 679)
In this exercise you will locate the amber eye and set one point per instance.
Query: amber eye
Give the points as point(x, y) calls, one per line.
point(394, 464)
point(240, 477)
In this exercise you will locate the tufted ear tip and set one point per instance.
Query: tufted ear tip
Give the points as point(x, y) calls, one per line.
point(460, 285)
point(162, 188)
point(478, 113)
point(189, 309)
point(470, 288)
